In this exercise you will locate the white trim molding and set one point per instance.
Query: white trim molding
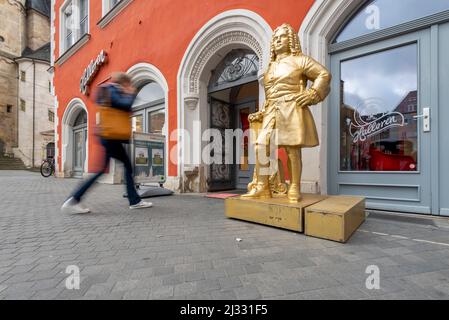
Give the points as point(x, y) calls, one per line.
point(319, 26)
point(108, 14)
point(229, 30)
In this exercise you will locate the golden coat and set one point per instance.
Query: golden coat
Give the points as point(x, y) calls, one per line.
point(284, 82)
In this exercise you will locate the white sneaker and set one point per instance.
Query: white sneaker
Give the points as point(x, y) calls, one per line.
point(71, 206)
point(141, 205)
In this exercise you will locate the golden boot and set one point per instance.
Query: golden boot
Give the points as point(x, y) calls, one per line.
point(260, 191)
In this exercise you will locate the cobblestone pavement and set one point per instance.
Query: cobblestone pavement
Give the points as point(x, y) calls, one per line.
point(184, 248)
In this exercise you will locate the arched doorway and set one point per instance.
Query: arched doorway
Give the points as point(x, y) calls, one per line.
point(233, 95)
point(50, 150)
point(75, 140)
point(79, 144)
point(230, 30)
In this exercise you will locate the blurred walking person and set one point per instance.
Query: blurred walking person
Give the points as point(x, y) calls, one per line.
point(115, 100)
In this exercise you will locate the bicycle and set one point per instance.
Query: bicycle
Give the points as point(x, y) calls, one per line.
point(48, 167)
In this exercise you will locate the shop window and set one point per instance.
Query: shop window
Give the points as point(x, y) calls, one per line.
point(156, 121)
point(149, 110)
point(137, 123)
point(74, 22)
point(377, 128)
point(376, 15)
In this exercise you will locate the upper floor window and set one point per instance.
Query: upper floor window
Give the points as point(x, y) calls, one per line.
point(376, 15)
point(111, 8)
point(109, 4)
point(74, 22)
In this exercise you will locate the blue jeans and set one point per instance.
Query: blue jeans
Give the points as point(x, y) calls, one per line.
point(114, 149)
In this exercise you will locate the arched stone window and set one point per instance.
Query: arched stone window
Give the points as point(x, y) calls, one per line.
point(149, 110)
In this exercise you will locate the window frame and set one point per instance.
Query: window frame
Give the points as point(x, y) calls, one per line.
point(74, 33)
point(108, 12)
point(383, 34)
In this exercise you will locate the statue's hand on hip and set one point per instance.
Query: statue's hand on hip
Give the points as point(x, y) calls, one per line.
point(307, 98)
point(256, 117)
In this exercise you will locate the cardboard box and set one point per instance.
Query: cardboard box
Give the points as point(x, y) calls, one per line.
point(335, 218)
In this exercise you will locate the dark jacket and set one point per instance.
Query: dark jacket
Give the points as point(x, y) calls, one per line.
point(112, 95)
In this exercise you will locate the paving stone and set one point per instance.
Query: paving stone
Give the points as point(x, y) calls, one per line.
point(247, 293)
point(163, 292)
point(184, 248)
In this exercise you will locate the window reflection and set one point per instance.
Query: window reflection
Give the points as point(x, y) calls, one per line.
point(137, 123)
point(379, 100)
point(156, 121)
point(380, 14)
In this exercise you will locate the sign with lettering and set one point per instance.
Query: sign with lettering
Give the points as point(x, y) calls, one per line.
point(91, 70)
point(362, 129)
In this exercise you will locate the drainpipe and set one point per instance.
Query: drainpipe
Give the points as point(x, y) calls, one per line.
point(34, 110)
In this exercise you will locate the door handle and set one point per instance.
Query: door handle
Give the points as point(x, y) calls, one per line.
point(426, 119)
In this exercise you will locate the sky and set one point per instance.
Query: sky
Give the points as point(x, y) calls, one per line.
point(378, 82)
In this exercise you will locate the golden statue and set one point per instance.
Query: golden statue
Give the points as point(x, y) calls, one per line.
point(286, 119)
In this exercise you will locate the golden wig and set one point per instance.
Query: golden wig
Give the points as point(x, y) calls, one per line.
point(293, 41)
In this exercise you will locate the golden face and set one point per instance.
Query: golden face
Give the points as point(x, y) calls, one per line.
point(280, 41)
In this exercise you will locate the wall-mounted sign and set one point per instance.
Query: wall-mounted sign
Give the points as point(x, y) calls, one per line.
point(365, 127)
point(91, 70)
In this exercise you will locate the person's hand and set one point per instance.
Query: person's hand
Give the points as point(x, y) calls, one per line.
point(307, 98)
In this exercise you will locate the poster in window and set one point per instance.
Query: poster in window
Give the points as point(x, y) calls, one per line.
point(141, 156)
point(149, 158)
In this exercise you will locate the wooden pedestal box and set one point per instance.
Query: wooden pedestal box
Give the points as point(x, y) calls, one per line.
point(335, 218)
point(276, 212)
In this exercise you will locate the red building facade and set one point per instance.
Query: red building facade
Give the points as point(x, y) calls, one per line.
point(154, 34)
point(198, 64)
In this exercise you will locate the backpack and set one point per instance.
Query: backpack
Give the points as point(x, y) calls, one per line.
point(112, 123)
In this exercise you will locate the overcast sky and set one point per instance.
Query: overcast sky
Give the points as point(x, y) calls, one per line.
point(379, 82)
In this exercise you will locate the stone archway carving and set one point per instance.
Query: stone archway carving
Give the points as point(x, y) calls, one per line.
point(229, 30)
point(234, 27)
point(234, 37)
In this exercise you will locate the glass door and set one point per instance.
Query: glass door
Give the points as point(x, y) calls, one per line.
point(79, 154)
point(379, 142)
point(244, 170)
